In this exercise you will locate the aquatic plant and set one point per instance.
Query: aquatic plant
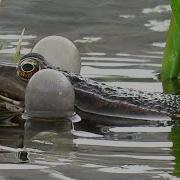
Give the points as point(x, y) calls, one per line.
point(171, 58)
point(17, 54)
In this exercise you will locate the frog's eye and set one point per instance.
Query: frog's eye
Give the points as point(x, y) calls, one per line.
point(29, 64)
point(27, 68)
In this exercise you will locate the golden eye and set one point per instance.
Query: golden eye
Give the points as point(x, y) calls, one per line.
point(27, 68)
point(29, 64)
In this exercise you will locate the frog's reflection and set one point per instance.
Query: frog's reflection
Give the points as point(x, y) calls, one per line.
point(48, 139)
point(48, 135)
point(36, 136)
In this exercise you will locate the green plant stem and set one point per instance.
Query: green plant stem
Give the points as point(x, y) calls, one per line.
point(171, 58)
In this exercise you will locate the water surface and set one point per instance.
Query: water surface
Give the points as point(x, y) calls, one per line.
point(121, 44)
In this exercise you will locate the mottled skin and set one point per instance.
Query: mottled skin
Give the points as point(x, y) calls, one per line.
point(98, 102)
point(155, 101)
point(122, 102)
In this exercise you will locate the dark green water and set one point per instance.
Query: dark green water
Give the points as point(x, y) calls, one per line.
point(121, 44)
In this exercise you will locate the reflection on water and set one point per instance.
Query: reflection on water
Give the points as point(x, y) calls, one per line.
point(157, 9)
point(175, 137)
point(159, 26)
point(53, 149)
point(121, 44)
point(171, 86)
point(88, 40)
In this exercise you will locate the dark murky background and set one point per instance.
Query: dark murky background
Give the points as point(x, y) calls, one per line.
point(121, 44)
